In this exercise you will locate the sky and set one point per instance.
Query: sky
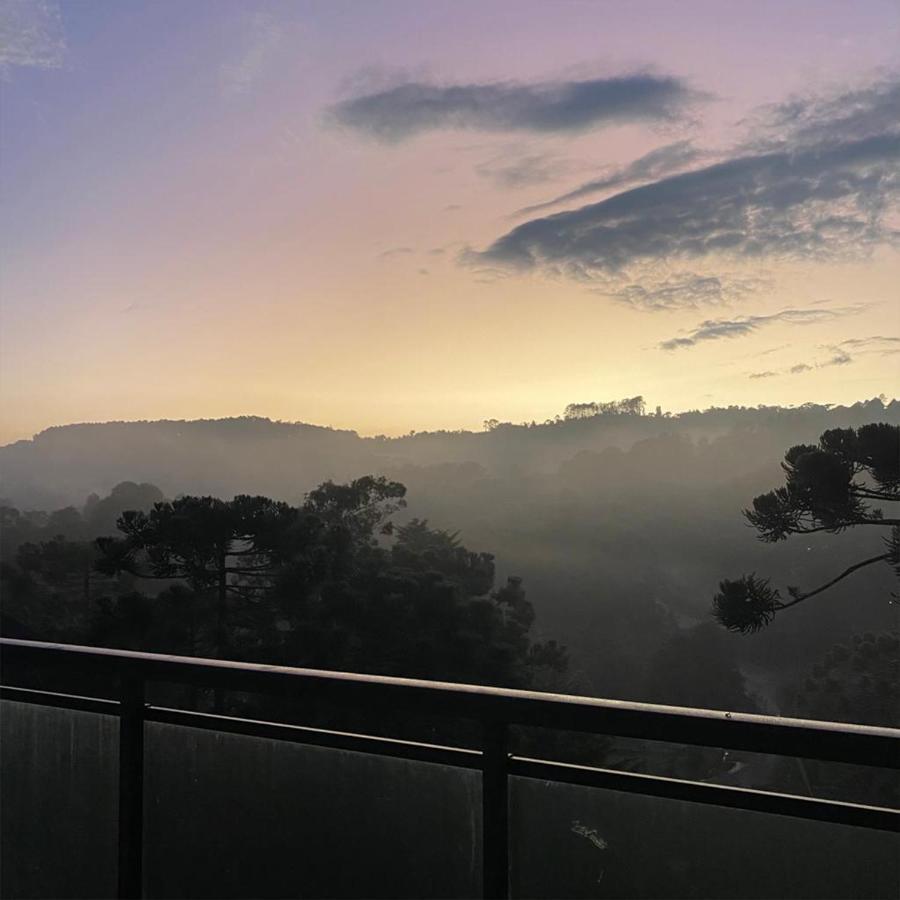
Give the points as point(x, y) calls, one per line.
point(395, 216)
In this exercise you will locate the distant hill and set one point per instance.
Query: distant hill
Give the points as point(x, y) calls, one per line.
point(64, 464)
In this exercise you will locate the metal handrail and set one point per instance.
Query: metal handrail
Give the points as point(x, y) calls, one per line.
point(494, 708)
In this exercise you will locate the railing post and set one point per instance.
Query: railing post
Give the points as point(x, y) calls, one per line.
point(495, 811)
point(131, 786)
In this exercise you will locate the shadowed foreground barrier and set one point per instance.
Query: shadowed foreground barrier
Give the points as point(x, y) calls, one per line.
point(125, 676)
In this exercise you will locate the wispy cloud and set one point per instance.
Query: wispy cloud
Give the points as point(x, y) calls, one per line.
point(874, 344)
point(395, 252)
point(772, 349)
point(715, 329)
point(31, 34)
point(864, 111)
point(838, 359)
point(402, 111)
point(262, 35)
point(686, 291)
point(835, 196)
point(651, 166)
point(515, 170)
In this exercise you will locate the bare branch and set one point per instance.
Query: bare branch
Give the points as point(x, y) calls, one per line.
point(834, 581)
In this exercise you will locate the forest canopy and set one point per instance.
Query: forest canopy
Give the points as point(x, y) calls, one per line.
point(329, 584)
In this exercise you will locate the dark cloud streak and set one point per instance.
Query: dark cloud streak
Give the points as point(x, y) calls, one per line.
point(839, 359)
point(789, 205)
point(715, 329)
point(652, 165)
point(406, 110)
point(821, 181)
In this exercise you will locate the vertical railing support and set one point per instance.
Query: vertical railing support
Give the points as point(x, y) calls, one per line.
point(495, 811)
point(131, 786)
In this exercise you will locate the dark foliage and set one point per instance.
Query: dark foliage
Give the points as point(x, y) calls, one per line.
point(746, 604)
point(330, 583)
point(828, 488)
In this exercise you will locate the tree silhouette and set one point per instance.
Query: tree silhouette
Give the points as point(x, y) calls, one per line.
point(829, 487)
point(59, 562)
point(224, 547)
point(422, 606)
point(238, 550)
point(630, 406)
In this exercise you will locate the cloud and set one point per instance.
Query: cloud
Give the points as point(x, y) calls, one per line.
point(840, 358)
point(686, 291)
point(523, 171)
point(714, 329)
point(396, 251)
point(865, 111)
point(405, 110)
point(262, 36)
point(821, 191)
point(814, 203)
point(874, 344)
point(652, 165)
point(773, 349)
point(31, 34)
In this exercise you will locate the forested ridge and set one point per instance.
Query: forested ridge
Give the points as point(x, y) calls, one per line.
point(616, 523)
point(248, 454)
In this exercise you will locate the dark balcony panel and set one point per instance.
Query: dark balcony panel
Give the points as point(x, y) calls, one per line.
point(59, 781)
point(570, 841)
point(235, 816)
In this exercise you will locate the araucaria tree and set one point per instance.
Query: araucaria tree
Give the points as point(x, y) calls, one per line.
point(839, 484)
point(226, 548)
point(235, 550)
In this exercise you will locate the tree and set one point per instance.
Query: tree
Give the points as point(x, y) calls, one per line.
point(828, 488)
point(856, 681)
point(331, 583)
point(581, 410)
point(59, 562)
point(360, 507)
point(228, 548)
point(422, 607)
point(238, 550)
point(630, 406)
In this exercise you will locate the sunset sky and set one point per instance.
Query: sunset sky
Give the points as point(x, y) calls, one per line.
point(415, 215)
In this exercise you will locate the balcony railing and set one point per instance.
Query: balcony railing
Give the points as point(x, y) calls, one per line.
point(494, 709)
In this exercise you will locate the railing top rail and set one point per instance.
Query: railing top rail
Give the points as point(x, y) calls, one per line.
point(836, 741)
